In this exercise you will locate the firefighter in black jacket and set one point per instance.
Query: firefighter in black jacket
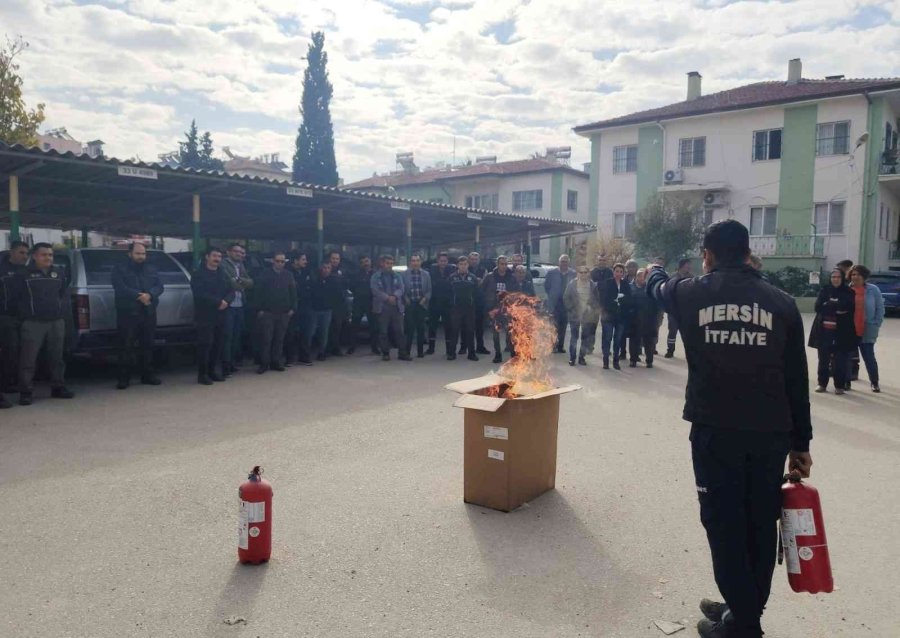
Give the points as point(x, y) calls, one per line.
point(11, 265)
point(212, 293)
point(39, 295)
point(463, 288)
point(441, 301)
point(747, 399)
point(138, 287)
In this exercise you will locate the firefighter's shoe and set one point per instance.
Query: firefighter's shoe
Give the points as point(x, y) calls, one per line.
point(712, 609)
point(709, 629)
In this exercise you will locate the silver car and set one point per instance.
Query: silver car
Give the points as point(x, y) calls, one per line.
point(94, 305)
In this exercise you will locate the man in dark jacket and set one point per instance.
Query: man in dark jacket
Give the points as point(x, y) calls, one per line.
point(480, 272)
point(747, 399)
point(40, 298)
point(645, 315)
point(299, 326)
point(339, 306)
point(495, 285)
point(361, 287)
point(601, 271)
point(137, 287)
point(441, 301)
point(11, 265)
point(324, 293)
point(212, 293)
point(464, 286)
point(522, 282)
point(275, 299)
point(615, 305)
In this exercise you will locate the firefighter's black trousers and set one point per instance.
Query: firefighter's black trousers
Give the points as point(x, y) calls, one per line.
point(739, 475)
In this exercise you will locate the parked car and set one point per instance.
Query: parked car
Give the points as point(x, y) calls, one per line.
point(888, 281)
point(93, 299)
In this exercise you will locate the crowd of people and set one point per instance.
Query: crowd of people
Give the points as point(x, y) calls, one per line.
point(296, 313)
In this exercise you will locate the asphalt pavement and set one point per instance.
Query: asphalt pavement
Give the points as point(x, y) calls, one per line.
point(119, 510)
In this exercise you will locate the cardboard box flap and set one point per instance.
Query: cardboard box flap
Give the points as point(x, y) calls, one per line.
point(480, 383)
point(479, 402)
point(550, 393)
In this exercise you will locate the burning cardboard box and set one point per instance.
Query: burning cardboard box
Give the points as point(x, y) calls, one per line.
point(510, 440)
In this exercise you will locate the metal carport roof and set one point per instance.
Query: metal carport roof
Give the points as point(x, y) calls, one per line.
point(124, 197)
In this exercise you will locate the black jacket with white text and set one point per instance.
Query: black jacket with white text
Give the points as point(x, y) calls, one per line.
point(745, 350)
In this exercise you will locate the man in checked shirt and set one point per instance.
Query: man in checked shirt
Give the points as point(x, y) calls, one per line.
point(417, 286)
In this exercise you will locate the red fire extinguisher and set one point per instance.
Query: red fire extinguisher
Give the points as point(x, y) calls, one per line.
point(255, 519)
point(802, 541)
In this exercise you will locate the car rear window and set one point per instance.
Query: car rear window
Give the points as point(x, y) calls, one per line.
point(99, 264)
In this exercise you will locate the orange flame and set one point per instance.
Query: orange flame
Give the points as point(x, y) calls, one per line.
point(532, 335)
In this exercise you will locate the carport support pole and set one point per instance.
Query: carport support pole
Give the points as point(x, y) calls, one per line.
point(84, 238)
point(477, 238)
point(320, 233)
point(195, 220)
point(14, 208)
point(408, 237)
point(528, 250)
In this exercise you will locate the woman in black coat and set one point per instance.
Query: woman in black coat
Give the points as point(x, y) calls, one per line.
point(833, 333)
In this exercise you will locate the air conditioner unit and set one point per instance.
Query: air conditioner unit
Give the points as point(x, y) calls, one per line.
point(714, 199)
point(673, 176)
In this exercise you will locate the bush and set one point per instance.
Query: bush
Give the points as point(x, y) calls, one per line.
point(792, 280)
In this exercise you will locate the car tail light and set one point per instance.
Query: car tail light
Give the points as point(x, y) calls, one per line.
point(83, 312)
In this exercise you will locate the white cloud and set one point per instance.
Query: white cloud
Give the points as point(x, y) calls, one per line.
point(417, 74)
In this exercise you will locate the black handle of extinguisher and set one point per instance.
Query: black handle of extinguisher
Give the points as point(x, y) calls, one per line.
point(255, 473)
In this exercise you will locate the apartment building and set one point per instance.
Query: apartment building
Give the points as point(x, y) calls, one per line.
point(543, 187)
point(808, 165)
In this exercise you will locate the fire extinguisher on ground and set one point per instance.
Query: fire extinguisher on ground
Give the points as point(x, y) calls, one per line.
point(802, 540)
point(255, 519)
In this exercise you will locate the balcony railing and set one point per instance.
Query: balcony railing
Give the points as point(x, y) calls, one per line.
point(788, 245)
point(894, 251)
point(890, 163)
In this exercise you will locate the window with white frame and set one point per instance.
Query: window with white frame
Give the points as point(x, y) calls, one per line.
point(767, 145)
point(623, 225)
point(692, 152)
point(528, 200)
point(833, 138)
point(763, 220)
point(625, 159)
point(486, 202)
point(571, 200)
point(829, 218)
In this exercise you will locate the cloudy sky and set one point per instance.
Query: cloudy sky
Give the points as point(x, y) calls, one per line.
point(502, 77)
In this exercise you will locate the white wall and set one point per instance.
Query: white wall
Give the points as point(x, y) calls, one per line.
point(617, 193)
point(582, 185)
point(729, 160)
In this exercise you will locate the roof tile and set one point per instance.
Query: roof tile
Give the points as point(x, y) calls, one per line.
point(748, 96)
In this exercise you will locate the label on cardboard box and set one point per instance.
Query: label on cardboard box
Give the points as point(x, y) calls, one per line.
point(495, 454)
point(493, 432)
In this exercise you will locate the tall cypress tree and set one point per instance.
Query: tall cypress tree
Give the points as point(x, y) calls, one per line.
point(189, 150)
point(314, 157)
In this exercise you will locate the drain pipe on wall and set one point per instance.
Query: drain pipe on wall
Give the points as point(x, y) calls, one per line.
point(663, 129)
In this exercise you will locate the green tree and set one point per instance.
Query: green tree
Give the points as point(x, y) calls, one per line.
point(189, 150)
point(668, 227)
point(207, 161)
point(314, 156)
point(18, 124)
